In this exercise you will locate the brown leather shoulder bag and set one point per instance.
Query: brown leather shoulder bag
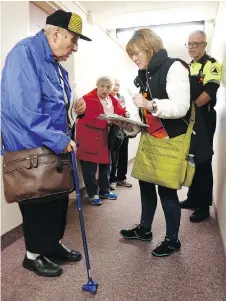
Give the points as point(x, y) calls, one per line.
point(36, 173)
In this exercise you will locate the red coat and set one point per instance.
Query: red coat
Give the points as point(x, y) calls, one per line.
point(92, 133)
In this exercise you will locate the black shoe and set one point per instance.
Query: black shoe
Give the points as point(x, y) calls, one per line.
point(42, 266)
point(63, 254)
point(138, 232)
point(166, 248)
point(187, 205)
point(200, 215)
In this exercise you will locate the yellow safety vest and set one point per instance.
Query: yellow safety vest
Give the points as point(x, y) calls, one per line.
point(204, 71)
point(207, 68)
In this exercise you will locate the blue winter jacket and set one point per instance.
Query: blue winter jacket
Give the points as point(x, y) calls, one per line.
point(32, 99)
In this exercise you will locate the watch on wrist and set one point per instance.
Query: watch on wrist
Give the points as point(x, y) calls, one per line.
point(154, 108)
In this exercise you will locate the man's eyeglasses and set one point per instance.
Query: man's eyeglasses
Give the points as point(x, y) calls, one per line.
point(194, 44)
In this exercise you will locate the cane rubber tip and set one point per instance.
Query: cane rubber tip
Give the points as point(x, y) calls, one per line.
point(91, 287)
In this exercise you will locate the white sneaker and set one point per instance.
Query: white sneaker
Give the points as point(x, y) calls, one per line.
point(125, 183)
point(113, 186)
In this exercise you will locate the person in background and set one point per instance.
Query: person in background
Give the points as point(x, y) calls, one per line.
point(119, 158)
point(205, 80)
point(92, 136)
point(35, 94)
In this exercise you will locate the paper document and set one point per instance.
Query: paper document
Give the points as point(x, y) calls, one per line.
point(73, 101)
point(115, 117)
point(136, 125)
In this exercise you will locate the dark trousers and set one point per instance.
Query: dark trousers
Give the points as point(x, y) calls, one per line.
point(44, 224)
point(119, 162)
point(89, 170)
point(170, 206)
point(200, 194)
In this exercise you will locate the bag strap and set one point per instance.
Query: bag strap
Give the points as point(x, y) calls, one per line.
point(187, 140)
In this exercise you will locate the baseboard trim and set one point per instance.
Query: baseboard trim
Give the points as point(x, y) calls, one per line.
point(10, 237)
point(217, 220)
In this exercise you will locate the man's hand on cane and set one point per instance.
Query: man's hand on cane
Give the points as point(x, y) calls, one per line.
point(70, 146)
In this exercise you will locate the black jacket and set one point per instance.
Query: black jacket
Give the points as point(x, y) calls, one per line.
point(156, 73)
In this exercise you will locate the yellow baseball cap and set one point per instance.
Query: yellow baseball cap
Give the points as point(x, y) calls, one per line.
point(67, 20)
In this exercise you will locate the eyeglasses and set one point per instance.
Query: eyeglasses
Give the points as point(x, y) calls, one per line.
point(194, 44)
point(103, 86)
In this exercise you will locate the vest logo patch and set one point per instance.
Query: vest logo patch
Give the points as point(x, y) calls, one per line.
point(214, 70)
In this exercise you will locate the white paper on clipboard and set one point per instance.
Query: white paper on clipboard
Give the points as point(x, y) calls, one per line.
point(136, 125)
point(115, 117)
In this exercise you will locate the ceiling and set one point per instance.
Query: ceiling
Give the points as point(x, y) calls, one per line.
point(124, 14)
point(122, 7)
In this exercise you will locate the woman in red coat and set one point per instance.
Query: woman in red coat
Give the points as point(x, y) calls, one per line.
point(92, 136)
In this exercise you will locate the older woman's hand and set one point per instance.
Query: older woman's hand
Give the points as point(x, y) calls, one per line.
point(127, 114)
point(80, 106)
point(141, 102)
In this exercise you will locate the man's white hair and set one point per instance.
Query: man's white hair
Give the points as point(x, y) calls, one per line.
point(50, 28)
point(201, 33)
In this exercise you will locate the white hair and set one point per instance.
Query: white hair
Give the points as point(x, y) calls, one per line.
point(201, 33)
point(50, 28)
point(104, 79)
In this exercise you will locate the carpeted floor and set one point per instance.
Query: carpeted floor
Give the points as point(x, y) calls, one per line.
point(125, 270)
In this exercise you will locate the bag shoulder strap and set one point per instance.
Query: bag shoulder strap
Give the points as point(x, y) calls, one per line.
point(191, 121)
point(187, 140)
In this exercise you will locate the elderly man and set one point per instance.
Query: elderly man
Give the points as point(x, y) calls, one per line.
point(35, 93)
point(205, 80)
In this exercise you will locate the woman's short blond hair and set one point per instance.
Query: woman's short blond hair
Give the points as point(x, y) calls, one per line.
point(144, 39)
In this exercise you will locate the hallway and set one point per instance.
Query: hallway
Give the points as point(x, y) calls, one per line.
point(125, 270)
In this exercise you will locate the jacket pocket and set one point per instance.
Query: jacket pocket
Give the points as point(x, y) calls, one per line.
point(92, 145)
point(90, 140)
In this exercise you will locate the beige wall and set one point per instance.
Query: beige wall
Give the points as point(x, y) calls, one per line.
point(218, 51)
point(102, 56)
point(11, 32)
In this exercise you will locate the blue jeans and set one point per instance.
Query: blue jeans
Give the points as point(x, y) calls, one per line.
point(89, 170)
point(170, 206)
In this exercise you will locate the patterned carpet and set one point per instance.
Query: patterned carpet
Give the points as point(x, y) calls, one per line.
point(125, 270)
